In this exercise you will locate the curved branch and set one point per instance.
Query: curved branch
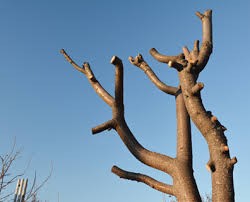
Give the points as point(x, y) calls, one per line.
point(152, 159)
point(86, 70)
point(207, 39)
point(176, 62)
point(142, 64)
point(155, 160)
point(164, 58)
point(162, 187)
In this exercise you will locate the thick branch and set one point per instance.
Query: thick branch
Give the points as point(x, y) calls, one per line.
point(209, 126)
point(142, 64)
point(118, 81)
point(86, 70)
point(162, 187)
point(152, 159)
point(184, 142)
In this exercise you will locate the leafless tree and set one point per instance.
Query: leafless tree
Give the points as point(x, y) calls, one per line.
point(189, 65)
point(7, 178)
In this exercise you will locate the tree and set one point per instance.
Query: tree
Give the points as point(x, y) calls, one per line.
point(189, 65)
point(7, 178)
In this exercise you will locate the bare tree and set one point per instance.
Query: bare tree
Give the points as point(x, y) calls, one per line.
point(7, 178)
point(189, 65)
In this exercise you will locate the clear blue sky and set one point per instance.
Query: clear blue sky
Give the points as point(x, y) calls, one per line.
point(50, 108)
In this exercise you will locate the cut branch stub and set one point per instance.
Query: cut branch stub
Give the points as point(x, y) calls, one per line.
point(224, 148)
point(105, 126)
point(90, 75)
point(210, 166)
point(233, 161)
point(197, 88)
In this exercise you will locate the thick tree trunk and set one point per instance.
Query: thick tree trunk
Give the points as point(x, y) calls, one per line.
point(220, 164)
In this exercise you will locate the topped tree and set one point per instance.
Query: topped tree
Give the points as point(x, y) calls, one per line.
point(189, 104)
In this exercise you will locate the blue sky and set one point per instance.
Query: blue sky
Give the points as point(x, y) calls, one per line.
point(50, 108)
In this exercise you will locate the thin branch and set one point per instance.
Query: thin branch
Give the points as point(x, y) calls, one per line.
point(86, 70)
point(68, 58)
point(142, 64)
point(34, 189)
point(162, 187)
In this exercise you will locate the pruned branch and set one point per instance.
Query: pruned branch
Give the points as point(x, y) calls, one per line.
point(176, 62)
point(105, 126)
point(118, 81)
point(201, 55)
point(165, 58)
point(152, 159)
point(86, 70)
point(197, 88)
point(165, 188)
point(142, 64)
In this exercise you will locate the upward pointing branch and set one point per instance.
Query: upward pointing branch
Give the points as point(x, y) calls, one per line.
point(184, 142)
point(86, 70)
point(118, 80)
point(207, 39)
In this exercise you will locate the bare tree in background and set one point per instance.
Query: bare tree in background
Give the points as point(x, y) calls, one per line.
point(7, 178)
point(189, 65)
